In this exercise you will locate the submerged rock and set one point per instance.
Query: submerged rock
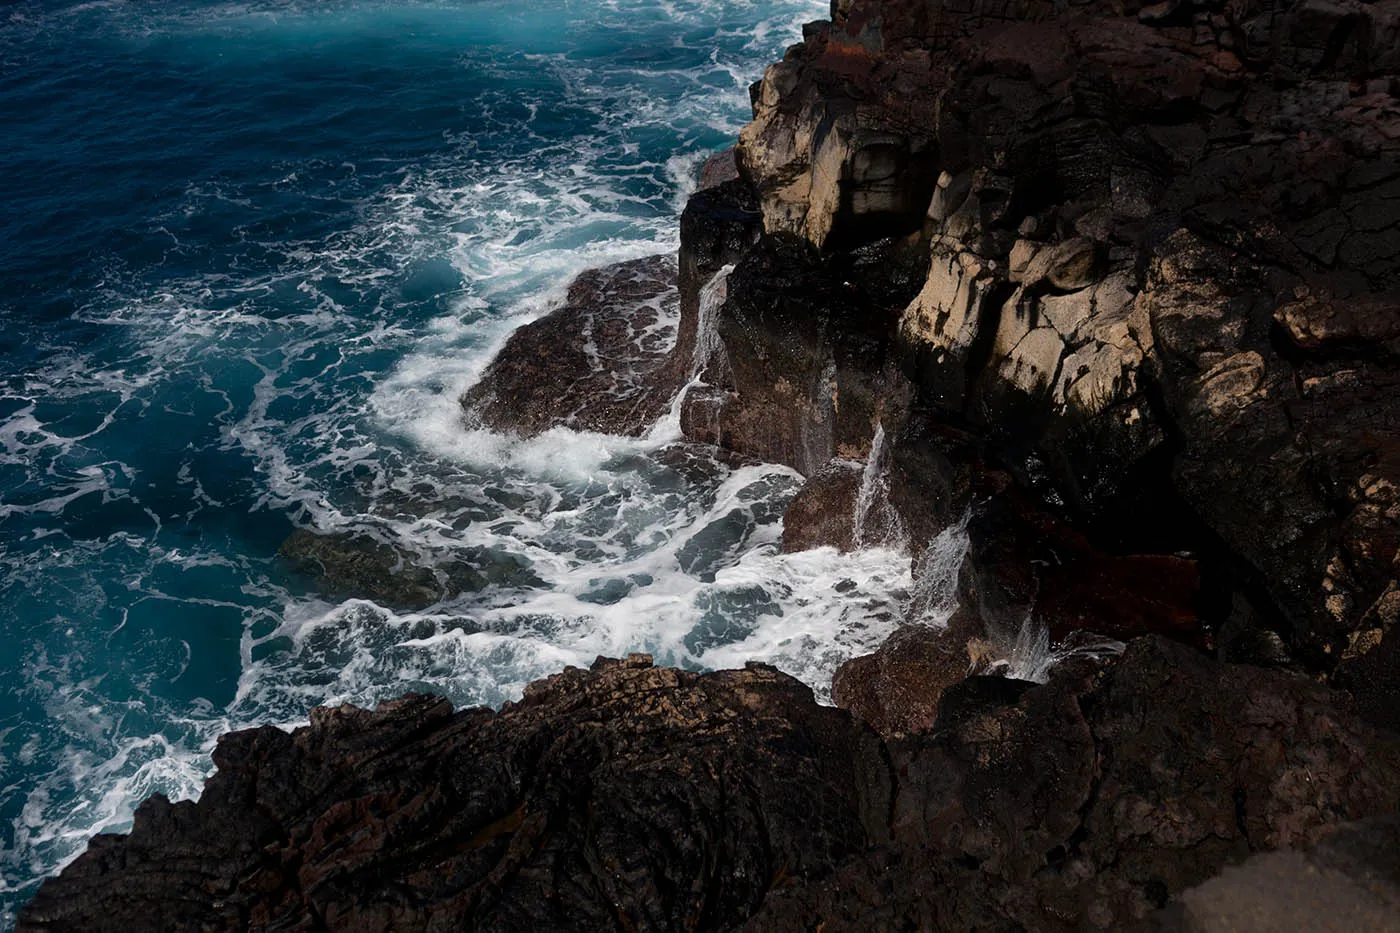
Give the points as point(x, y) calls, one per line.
point(658, 799)
point(600, 362)
point(362, 565)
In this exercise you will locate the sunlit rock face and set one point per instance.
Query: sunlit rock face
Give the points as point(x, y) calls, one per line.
point(1162, 253)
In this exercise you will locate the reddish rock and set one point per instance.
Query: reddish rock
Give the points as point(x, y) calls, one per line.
point(1024, 562)
point(822, 514)
point(897, 689)
point(600, 362)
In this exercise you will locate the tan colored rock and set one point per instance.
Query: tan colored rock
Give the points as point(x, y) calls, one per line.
point(948, 196)
point(1032, 364)
point(1067, 266)
point(1067, 313)
point(1102, 370)
point(1314, 323)
point(1093, 378)
point(946, 312)
point(824, 199)
point(1232, 383)
point(1022, 253)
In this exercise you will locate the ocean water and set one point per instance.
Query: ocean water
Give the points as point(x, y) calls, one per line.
point(252, 253)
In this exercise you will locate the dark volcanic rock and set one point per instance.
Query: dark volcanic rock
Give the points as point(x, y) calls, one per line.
point(809, 373)
point(1090, 800)
point(601, 362)
point(629, 796)
point(360, 564)
point(1024, 562)
point(642, 798)
point(1161, 265)
point(719, 169)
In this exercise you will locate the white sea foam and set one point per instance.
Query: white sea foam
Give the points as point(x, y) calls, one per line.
point(342, 408)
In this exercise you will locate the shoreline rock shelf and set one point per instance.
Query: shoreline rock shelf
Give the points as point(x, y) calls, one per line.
point(636, 797)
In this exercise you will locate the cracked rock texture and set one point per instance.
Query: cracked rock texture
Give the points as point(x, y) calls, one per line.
point(634, 797)
point(600, 362)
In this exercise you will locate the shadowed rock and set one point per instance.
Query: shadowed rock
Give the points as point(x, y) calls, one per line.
point(649, 798)
point(1161, 249)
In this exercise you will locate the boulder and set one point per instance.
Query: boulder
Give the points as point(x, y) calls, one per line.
point(822, 514)
point(898, 688)
point(598, 363)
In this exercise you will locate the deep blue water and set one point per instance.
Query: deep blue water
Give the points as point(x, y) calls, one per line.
point(250, 255)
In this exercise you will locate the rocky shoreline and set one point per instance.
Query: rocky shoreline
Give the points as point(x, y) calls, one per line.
point(1114, 291)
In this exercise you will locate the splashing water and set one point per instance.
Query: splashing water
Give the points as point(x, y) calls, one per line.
point(935, 594)
point(876, 522)
point(709, 352)
point(1032, 656)
point(709, 349)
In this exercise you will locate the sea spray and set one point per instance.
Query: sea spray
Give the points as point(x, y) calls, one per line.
point(876, 523)
point(1032, 656)
point(708, 355)
point(934, 598)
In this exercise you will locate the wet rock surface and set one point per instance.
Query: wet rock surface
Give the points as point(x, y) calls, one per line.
point(361, 565)
point(648, 798)
point(823, 512)
point(600, 362)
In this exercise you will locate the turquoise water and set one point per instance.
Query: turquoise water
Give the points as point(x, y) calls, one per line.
point(251, 255)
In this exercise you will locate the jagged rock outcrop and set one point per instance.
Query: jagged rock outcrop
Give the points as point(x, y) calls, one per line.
point(628, 796)
point(649, 798)
point(1160, 262)
point(602, 361)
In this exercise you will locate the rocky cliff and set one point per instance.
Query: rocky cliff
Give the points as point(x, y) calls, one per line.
point(1145, 256)
point(1110, 289)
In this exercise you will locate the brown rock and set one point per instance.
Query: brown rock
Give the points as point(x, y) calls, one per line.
point(822, 514)
point(601, 362)
point(897, 689)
